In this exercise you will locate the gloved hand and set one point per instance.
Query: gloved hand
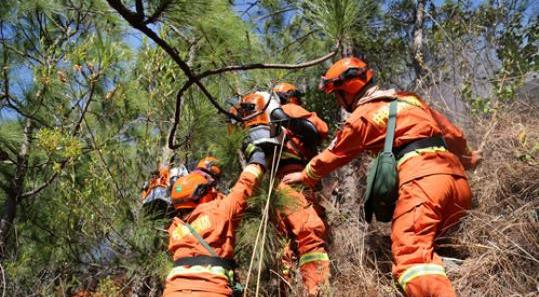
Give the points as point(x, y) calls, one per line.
point(254, 154)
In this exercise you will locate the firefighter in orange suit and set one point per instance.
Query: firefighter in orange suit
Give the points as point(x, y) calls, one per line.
point(301, 220)
point(201, 236)
point(432, 154)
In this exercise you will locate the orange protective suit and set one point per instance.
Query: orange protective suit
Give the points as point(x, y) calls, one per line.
point(301, 219)
point(216, 222)
point(433, 189)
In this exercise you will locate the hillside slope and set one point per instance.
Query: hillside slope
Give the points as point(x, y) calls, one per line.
point(495, 251)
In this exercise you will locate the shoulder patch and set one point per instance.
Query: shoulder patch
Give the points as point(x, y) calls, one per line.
point(413, 100)
point(380, 116)
point(201, 224)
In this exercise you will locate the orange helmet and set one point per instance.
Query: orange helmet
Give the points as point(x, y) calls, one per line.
point(251, 104)
point(193, 189)
point(210, 165)
point(288, 93)
point(347, 77)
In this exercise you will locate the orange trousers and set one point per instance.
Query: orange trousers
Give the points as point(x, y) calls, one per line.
point(427, 207)
point(300, 221)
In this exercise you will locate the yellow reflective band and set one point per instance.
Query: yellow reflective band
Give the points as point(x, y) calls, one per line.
point(310, 172)
point(250, 149)
point(289, 155)
point(215, 270)
point(420, 151)
point(313, 256)
point(420, 270)
point(254, 170)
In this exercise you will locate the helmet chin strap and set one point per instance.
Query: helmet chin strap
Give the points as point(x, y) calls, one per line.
point(184, 213)
point(349, 106)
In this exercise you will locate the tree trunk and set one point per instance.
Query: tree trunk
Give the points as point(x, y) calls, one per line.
point(16, 189)
point(417, 43)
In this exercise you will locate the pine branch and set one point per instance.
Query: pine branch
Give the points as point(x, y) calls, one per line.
point(270, 66)
point(137, 22)
point(74, 132)
point(15, 188)
point(189, 83)
point(139, 6)
point(3, 155)
point(177, 112)
point(158, 11)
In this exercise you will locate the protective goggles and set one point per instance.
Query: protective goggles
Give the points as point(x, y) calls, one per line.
point(329, 85)
point(202, 189)
point(290, 93)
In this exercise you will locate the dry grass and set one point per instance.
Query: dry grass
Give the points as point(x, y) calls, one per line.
point(495, 252)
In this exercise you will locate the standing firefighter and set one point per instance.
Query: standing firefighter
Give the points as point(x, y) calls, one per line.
point(299, 220)
point(201, 236)
point(427, 155)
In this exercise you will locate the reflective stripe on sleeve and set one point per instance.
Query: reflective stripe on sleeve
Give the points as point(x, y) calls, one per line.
point(420, 270)
point(250, 149)
point(254, 170)
point(215, 270)
point(420, 151)
point(313, 256)
point(310, 172)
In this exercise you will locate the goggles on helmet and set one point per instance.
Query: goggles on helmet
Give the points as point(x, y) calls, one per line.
point(329, 85)
point(285, 96)
point(200, 191)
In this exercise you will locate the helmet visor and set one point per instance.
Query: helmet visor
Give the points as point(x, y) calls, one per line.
point(330, 85)
point(200, 191)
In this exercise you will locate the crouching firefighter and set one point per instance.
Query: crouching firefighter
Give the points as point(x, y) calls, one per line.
point(201, 236)
point(299, 220)
point(417, 181)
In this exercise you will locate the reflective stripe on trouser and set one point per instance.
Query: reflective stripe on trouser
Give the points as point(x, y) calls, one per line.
point(420, 270)
point(315, 272)
point(313, 256)
point(216, 270)
point(426, 208)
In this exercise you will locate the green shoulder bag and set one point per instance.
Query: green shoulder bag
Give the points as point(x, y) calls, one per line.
point(382, 179)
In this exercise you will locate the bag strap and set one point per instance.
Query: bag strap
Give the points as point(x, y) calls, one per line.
point(391, 122)
point(201, 240)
